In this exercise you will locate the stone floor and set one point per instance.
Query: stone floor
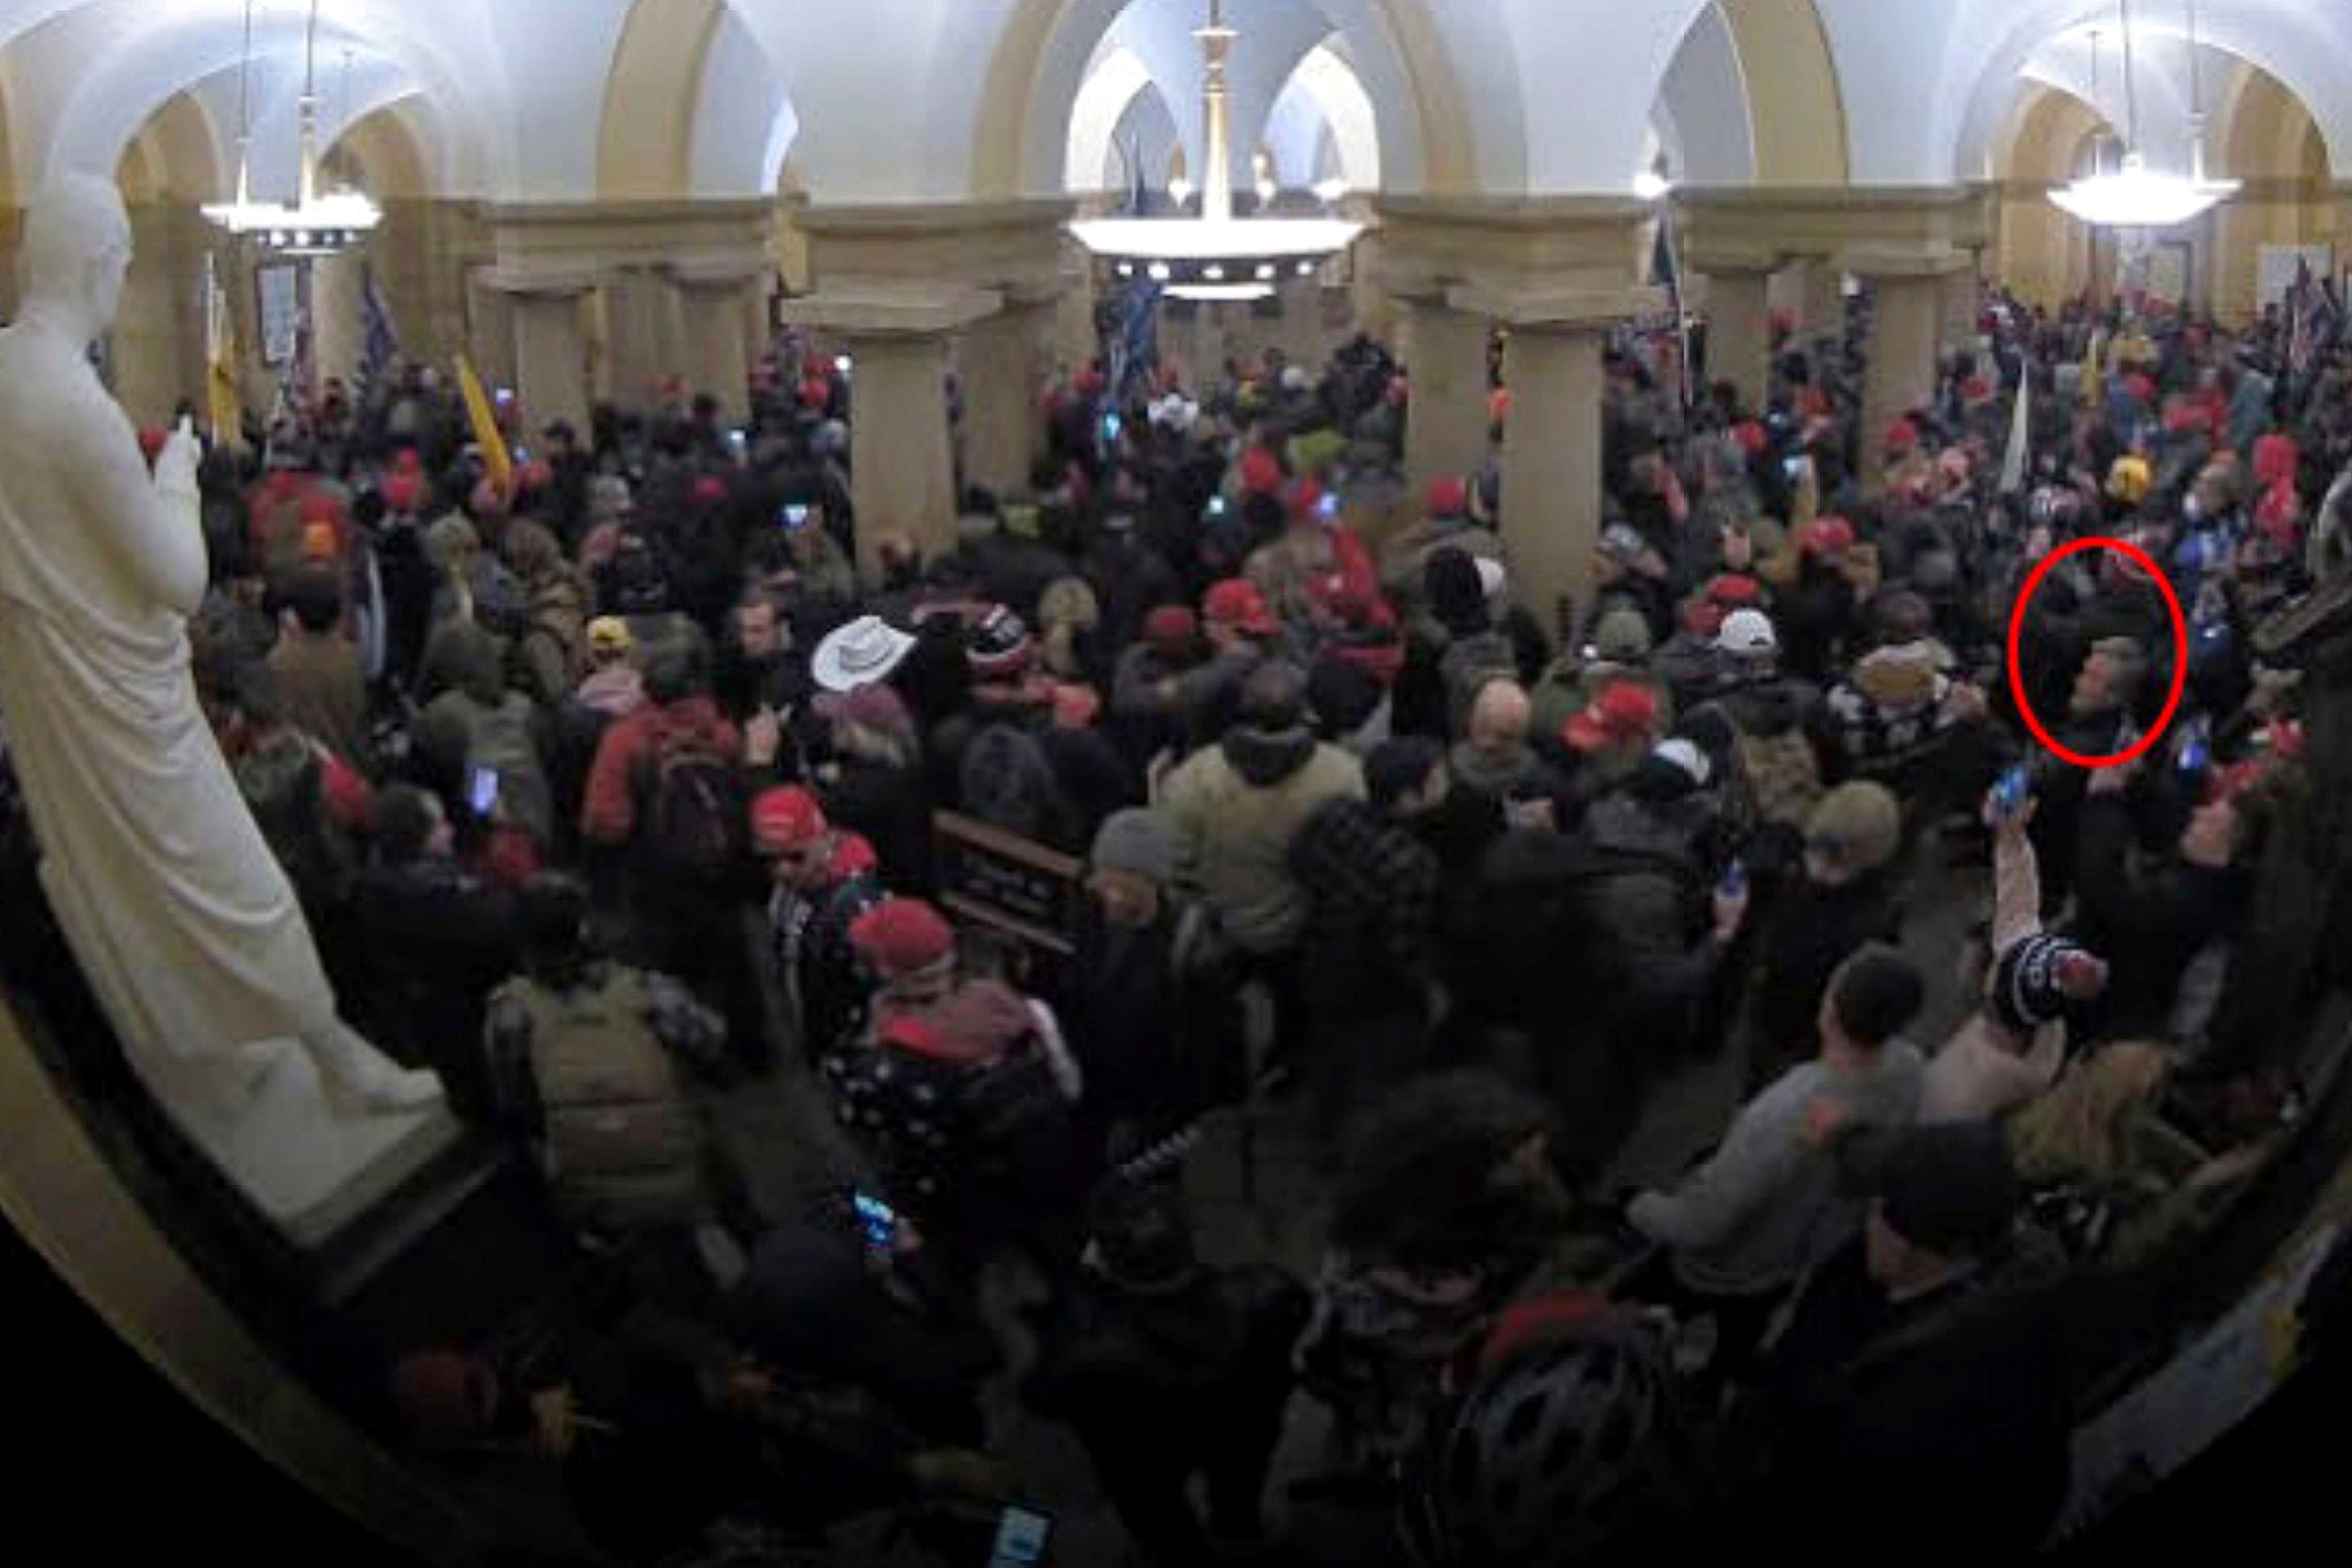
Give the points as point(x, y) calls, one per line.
point(1256, 1198)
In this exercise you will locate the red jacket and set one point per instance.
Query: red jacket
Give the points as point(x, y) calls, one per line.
point(609, 814)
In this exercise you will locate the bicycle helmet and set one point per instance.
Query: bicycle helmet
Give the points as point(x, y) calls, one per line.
point(1563, 1453)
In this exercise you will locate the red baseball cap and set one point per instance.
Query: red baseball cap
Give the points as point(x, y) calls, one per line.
point(403, 492)
point(1303, 495)
point(1902, 437)
point(1171, 627)
point(1261, 472)
point(1446, 497)
point(1828, 536)
point(1750, 437)
point(785, 820)
point(708, 489)
point(1623, 713)
point(1236, 604)
point(1735, 591)
point(901, 936)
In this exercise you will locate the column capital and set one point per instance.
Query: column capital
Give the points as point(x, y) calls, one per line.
point(980, 245)
point(542, 282)
point(1722, 260)
point(1535, 244)
point(602, 236)
point(1828, 220)
point(893, 313)
point(1890, 262)
point(720, 271)
point(1554, 310)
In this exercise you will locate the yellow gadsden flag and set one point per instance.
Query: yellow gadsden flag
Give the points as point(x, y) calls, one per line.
point(221, 407)
point(485, 421)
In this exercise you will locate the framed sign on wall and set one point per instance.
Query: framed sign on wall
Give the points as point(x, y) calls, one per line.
point(278, 288)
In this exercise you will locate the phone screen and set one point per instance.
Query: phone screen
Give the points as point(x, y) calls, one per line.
point(878, 1219)
point(1022, 1537)
point(1327, 508)
point(1796, 467)
point(1111, 427)
point(795, 516)
point(482, 791)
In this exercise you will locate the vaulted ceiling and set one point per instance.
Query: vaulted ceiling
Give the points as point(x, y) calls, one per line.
point(954, 100)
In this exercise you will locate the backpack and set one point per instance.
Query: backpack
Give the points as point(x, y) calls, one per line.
point(694, 820)
point(500, 739)
point(624, 1150)
point(1006, 781)
point(1015, 1114)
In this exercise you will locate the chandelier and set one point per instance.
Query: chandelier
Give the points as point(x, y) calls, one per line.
point(1217, 257)
point(317, 225)
point(2134, 195)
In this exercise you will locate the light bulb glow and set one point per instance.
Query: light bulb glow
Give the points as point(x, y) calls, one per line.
point(2137, 197)
point(1649, 186)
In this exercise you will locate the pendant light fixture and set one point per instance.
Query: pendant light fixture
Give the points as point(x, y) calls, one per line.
point(1216, 256)
point(2137, 196)
point(317, 225)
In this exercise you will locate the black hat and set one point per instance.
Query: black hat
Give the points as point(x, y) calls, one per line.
point(1143, 1240)
point(1948, 1189)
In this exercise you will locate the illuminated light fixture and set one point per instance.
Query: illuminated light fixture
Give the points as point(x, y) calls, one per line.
point(2134, 195)
point(1222, 293)
point(1307, 269)
point(1330, 191)
point(1649, 186)
point(1127, 269)
point(1180, 190)
point(1216, 234)
point(1265, 271)
point(1213, 273)
point(1265, 192)
point(316, 225)
point(843, 364)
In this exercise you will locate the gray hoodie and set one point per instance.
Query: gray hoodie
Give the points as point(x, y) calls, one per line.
point(1766, 1205)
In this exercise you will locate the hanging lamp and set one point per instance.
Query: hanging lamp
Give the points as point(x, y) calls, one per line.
point(2134, 195)
point(1216, 256)
point(317, 225)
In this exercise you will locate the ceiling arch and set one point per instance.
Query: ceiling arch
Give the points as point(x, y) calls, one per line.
point(1703, 104)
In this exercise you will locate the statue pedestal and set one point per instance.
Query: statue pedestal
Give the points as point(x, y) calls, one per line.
point(309, 1171)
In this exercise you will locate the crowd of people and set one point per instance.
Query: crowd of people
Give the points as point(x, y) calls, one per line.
point(615, 780)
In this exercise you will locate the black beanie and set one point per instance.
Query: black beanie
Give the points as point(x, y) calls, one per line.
point(1343, 697)
point(1950, 1189)
point(2026, 993)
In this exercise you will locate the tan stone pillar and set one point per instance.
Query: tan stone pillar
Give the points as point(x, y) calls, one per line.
point(1824, 311)
point(1551, 447)
point(551, 351)
point(490, 336)
point(1001, 359)
point(1738, 321)
point(711, 306)
point(1906, 330)
point(1301, 335)
point(336, 288)
point(642, 319)
point(902, 469)
point(145, 349)
point(1445, 424)
point(1961, 296)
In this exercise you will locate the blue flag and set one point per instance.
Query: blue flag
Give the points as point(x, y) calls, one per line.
point(379, 344)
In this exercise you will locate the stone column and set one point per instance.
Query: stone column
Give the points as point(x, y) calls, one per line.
point(551, 352)
point(711, 306)
point(641, 313)
point(1905, 333)
point(1301, 330)
point(335, 314)
point(1001, 358)
point(1824, 312)
point(146, 350)
point(1445, 424)
point(902, 469)
point(1551, 448)
point(1738, 321)
point(1961, 301)
point(491, 331)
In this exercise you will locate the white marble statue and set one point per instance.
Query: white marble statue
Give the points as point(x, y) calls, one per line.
point(186, 926)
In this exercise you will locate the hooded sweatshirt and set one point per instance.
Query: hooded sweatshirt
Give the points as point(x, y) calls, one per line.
point(1235, 808)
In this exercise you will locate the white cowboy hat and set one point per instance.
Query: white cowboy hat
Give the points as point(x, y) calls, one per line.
point(864, 651)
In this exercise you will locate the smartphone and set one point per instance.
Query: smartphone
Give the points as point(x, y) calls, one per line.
point(794, 517)
point(2196, 747)
point(2010, 792)
point(482, 791)
point(522, 454)
point(1216, 506)
point(738, 444)
point(1734, 880)
point(1797, 467)
point(878, 1219)
point(1327, 508)
point(1023, 1537)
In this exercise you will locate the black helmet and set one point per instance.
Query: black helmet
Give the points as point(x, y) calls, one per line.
point(1565, 1453)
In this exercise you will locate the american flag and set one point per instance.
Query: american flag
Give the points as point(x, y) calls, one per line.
point(378, 342)
point(1666, 271)
point(2315, 321)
